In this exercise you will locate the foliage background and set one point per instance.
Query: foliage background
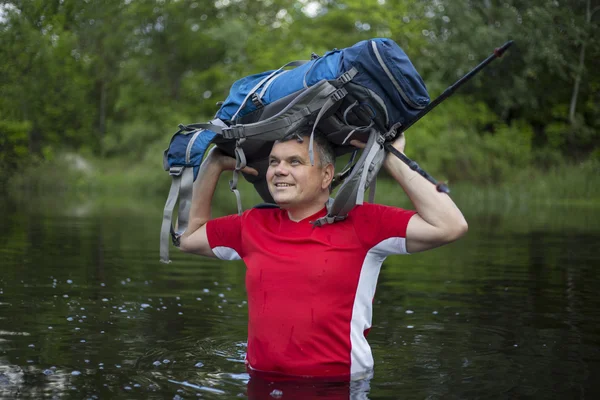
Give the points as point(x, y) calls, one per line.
point(110, 80)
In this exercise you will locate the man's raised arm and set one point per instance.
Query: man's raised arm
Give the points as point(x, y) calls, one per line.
point(194, 239)
point(438, 220)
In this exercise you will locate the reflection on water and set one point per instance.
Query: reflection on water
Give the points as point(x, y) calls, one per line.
point(87, 311)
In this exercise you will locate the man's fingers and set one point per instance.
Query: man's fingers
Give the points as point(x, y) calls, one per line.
point(358, 143)
point(250, 170)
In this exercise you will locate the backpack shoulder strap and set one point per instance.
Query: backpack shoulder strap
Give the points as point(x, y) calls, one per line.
point(353, 189)
point(181, 188)
point(182, 159)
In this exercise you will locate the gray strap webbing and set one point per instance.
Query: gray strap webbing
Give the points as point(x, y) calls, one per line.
point(236, 192)
point(181, 187)
point(259, 84)
point(328, 219)
point(190, 145)
point(166, 227)
point(373, 150)
point(331, 101)
point(252, 92)
point(341, 176)
point(268, 84)
point(352, 190)
point(347, 76)
point(301, 107)
point(345, 117)
point(240, 163)
point(185, 200)
point(210, 127)
point(342, 80)
point(372, 188)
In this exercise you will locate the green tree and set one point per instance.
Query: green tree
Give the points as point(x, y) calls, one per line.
point(535, 80)
point(42, 84)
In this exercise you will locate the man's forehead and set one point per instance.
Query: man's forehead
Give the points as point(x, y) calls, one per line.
point(290, 147)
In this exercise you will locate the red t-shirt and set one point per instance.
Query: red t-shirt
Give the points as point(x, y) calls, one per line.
point(310, 289)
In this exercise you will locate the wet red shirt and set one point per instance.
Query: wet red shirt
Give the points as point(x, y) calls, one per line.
point(310, 289)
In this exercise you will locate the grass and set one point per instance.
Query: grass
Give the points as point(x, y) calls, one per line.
point(576, 185)
point(119, 182)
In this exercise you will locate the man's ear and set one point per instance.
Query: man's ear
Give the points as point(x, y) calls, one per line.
point(328, 174)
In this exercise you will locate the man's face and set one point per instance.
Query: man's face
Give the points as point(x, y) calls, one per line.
point(292, 180)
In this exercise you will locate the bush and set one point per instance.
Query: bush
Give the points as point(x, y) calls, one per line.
point(464, 141)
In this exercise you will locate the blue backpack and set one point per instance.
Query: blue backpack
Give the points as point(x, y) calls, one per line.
point(368, 92)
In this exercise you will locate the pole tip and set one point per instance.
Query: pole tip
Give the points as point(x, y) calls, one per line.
point(442, 188)
point(500, 50)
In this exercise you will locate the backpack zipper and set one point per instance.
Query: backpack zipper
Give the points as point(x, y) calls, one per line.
point(188, 150)
point(389, 74)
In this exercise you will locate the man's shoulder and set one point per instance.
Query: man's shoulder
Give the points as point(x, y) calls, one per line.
point(257, 212)
point(262, 212)
point(367, 208)
point(379, 212)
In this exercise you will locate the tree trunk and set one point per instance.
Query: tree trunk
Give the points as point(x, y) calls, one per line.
point(573, 106)
point(581, 66)
point(102, 117)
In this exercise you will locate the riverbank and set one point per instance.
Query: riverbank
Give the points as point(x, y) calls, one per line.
point(120, 183)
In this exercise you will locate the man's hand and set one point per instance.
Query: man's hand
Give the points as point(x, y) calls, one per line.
point(399, 143)
point(438, 221)
point(224, 162)
point(195, 240)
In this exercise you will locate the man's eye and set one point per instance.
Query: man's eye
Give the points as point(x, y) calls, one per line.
point(295, 161)
point(273, 162)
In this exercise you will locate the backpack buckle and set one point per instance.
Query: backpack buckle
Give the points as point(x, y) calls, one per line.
point(185, 128)
point(328, 219)
point(233, 132)
point(391, 134)
point(176, 239)
point(257, 101)
point(344, 78)
point(176, 171)
point(339, 94)
point(347, 76)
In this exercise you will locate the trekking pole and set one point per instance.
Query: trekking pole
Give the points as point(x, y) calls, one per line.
point(440, 186)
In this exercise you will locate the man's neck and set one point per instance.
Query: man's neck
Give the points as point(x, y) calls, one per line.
point(299, 214)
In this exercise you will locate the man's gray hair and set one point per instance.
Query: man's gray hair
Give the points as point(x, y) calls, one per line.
point(322, 146)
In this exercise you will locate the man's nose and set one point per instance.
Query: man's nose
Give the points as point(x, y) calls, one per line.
point(281, 169)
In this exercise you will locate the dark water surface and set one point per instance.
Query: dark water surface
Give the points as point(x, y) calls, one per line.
point(87, 311)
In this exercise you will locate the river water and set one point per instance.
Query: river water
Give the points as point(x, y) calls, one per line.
point(88, 312)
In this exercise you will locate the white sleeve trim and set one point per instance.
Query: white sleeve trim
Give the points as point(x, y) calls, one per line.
point(226, 253)
point(393, 245)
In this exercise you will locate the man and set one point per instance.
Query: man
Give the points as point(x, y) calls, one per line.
point(310, 289)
